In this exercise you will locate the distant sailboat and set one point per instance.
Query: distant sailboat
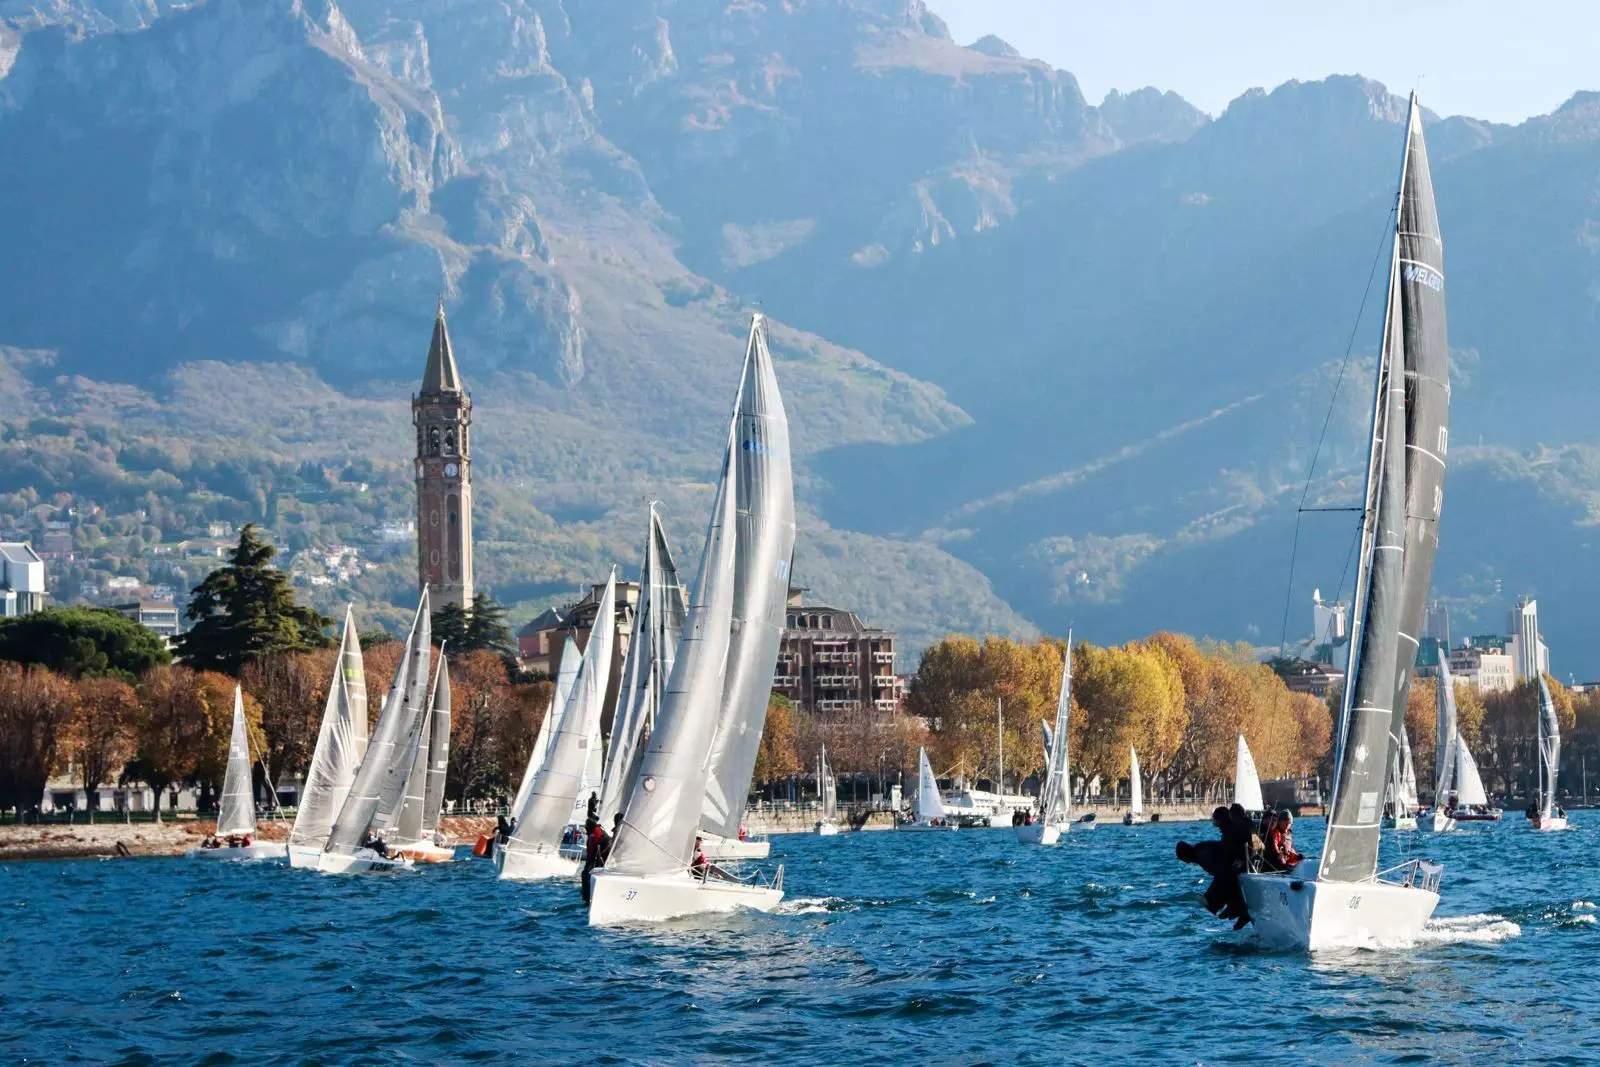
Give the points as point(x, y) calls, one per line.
point(1351, 902)
point(711, 696)
point(1547, 814)
point(373, 805)
point(1055, 808)
point(1403, 788)
point(418, 831)
point(1135, 813)
point(562, 785)
point(1472, 800)
point(566, 674)
point(930, 806)
point(236, 814)
point(341, 742)
point(827, 796)
point(1246, 782)
point(1446, 738)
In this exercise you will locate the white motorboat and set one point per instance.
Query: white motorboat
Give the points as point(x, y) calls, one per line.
point(1055, 810)
point(931, 814)
point(236, 814)
point(1350, 902)
point(622, 898)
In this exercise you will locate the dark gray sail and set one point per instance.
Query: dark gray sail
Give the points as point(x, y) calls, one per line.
point(1419, 253)
point(438, 748)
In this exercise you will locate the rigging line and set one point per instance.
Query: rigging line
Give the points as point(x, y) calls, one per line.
point(1389, 223)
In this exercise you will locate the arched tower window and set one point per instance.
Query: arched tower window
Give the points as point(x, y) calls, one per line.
point(450, 442)
point(433, 440)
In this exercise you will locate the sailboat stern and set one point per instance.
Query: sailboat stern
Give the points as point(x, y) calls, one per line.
point(1314, 916)
point(617, 898)
point(517, 865)
point(1040, 833)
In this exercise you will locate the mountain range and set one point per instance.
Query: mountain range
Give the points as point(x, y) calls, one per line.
point(1048, 362)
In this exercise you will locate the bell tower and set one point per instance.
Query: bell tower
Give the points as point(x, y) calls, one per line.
point(442, 414)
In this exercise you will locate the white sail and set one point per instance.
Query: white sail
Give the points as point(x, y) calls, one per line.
point(1408, 773)
point(237, 813)
point(1246, 782)
point(438, 748)
point(379, 782)
point(1549, 750)
point(664, 805)
point(341, 742)
point(1058, 777)
point(1446, 736)
point(763, 548)
point(827, 786)
point(571, 660)
point(1469, 784)
point(1135, 784)
point(412, 736)
point(549, 807)
point(929, 804)
point(408, 822)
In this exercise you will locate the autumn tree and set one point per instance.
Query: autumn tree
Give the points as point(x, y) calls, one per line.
point(512, 743)
point(36, 707)
point(484, 705)
point(170, 729)
point(778, 757)
point(101, 734)
point(213, 695)
point(246, 610)
point(292, 691)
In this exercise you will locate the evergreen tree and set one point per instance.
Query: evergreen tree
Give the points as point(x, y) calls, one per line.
point(486, 627)
point(246, 610)
point(450, 627)
point(82, 642)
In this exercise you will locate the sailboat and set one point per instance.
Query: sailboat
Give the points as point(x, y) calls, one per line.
point(828, 795)
point(1547, 814)
point(566, 674)
point(1350, 902)
point(236, 815)
point(1446, 740)
point(373, 805)
point(341, 742)
point(930, 806)
point(657, 624)
point(418, 829)
point(1403, 786)
point(1135, 813)
point(561, 789)
point(1246, 782)
point(697, 768)
point(1055, 809)
point(1471, 800)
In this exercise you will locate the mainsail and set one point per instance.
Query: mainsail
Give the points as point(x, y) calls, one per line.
point(827, 787)
point(438, 748)
point(1058, 776)
point(764, 547)
point(664, 804)
point(1549, 750)
point(408, 822)
point(341, 742)
point(1135, 784)
point(411, 735)
point(1246, 782)
point(929, 804)
point(571, 660)
point(1446, 735)
point(1408, 773)
point(1469, 783)
point(237, 813)
point(656, 627)
point(1405, 492)
point(558, 789)
point(373, 779)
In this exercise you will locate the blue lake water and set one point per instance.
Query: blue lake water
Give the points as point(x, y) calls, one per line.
point(943, 948)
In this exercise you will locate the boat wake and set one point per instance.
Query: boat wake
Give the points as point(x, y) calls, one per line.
point(815, 905)
point(1481, 929)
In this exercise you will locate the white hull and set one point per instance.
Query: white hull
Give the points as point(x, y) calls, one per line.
point(925, 826)
point(1312, 915)
point(426, 852)
point(362, 862)
point(260, 851)
point(1549, 822)
point(623, 898)
point(1040, 834)
point(731, 848)
point(1403, 822)
point(533, 866)
point(305, 856)
point(1131, 819)
point(827, 829)
point(1438, 822)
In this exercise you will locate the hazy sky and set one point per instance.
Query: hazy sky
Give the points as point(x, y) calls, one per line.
point(1502, 60)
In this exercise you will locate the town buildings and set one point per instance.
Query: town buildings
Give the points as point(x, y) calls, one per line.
point(830, 662)
point(442, 414)
point(21, 579)
point(1525, 644)
point(541, 642)
point(1309, 676)
point(158, 615)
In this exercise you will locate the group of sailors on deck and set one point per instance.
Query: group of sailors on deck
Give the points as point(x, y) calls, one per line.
point(1244, 845)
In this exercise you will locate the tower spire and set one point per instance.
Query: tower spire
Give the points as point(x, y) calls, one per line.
point(441, 374)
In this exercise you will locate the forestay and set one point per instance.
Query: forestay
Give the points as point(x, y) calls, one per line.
point(341, 742)
point(764, 547)
point(1246, 782)
point(664, 804)
point(237, 812)
point(548, 809)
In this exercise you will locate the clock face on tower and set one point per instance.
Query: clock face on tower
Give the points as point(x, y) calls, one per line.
point(450, 470)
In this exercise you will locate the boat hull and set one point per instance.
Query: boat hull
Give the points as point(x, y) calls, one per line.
point(1546, 823)
point(260, 852)
point(616, 898)
point(363, 862)
point(305, 857)
point(516, 866)
point(1130, 819)
point(907, 827)
point(731, 848)
point(1439, 822)
point(426, 852)
point(827, 829)
point(1493, 815)
point(1039, 834)
point(1314, 916)
point(1402, 822)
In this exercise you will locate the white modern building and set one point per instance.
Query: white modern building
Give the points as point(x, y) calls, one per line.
point(21, 579)
point(1530, 657)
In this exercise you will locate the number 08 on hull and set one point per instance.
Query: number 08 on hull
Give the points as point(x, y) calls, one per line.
point(1312, 915)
